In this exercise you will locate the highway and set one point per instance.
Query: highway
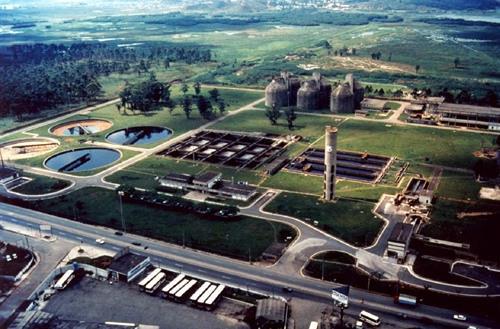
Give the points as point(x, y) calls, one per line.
point(236, 273)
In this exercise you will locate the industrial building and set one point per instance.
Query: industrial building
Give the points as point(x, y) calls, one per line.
point(238, 150)
point(271, 313)
point(7, 175)
point(349, 165)
point(399, 241)
point(126, 266)
point(314, 94)
point(210, 183)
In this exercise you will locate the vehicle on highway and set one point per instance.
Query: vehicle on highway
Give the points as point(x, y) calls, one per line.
point(369, 318)
point(459, 317)
point(406, 300)
point(359, 325)
point(135, 243)
point(118, 233)
point(471, 327)
point(100, 241)
point(287, 289)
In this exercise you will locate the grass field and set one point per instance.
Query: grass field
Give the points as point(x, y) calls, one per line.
point(351, 221)
point(41, 185)
point(231, 238)
point(294, 182)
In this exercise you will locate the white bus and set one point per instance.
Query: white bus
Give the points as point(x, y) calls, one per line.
point(172, 284)
point(313, 325)
point(182, 293)
point(177, 288)
point(369, 318)
point(142, 284)
point(64, 280)
point(194, 297)
point(201, 301)
point(212, 300)
point(154, 284)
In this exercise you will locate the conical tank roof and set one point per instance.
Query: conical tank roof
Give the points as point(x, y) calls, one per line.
point(343, 90)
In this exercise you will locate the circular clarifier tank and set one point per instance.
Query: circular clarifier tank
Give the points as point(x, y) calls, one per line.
point(82, 159)
point(139, 135)
point(80, 127)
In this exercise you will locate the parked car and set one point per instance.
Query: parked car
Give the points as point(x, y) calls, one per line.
point(118, 233)
point(135, 243)
point(287, 289)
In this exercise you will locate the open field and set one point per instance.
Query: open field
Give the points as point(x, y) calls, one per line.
point(232, 238)
point(351, 221)
point(41, 185)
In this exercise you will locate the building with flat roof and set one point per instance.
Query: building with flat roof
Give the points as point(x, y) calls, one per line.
point(271, 313)
point(126, 266)
point(469, 116)
point(207, 179)
point(399, 241)
point(374, 104)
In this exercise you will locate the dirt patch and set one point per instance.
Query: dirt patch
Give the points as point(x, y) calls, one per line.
point(366, 64)
point(27, 148)
point(84, 126)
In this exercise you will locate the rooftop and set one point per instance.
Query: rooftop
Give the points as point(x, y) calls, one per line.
point(401, 232)
point(207, 177)
point(271, 309)
point(181, 178)
point(127, 262)
point(241, 189)
point(468, 109)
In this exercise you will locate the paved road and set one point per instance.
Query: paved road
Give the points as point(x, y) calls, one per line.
point(227, 270)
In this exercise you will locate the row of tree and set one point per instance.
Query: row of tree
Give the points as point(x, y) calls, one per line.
point(274, 113)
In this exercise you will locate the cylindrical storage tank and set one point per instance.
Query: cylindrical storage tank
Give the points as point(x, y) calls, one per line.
point(308, 96)
point(359, 94)
point(276, 94)
point(342, 100)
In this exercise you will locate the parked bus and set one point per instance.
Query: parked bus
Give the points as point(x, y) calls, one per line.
point(142, 284)
point(369, 318)
point(194, 297)
point(201, 301)
point(64, 280)
point(154, 284)
point(181, 294)
point(177, 288)
point(313, 325)
point(172, 284)
point(214, 298)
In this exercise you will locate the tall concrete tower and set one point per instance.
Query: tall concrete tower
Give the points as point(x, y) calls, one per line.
point(330, 163)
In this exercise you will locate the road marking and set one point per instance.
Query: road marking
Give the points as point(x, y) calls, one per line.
point(62, 233)
point(13, 220)
point(202, 271)
point(115, 248)
point(226, 277)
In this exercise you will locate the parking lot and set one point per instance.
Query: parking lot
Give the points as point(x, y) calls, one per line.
point(96, 301)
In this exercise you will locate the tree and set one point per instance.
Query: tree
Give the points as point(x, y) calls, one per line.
point(184, 89)
point(381, 92)
point(214, 95)
point(197, 88)
point(456, 62)
point(118, 107)
point(291, 116)
point(463, 97)
point(186, 106)
point(490, 99)
point(171, 104)
point(417, 68)
point(273, 114)
point(398, 93)
point(204, 107)
point(221, 106)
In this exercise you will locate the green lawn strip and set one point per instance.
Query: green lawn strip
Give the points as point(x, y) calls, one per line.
point(232, 238)
point(289, 181)
point(351, 221)
point(308, 126)
point(457, 185)
point(41, 185)
point(363, 191)
point(393, 105)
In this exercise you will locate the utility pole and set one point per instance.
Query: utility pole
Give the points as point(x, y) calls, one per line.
point(120, 194)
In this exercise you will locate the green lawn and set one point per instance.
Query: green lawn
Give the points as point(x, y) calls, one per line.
point(417, 144)
point(458, 186)
point(351, 221)
point(295, 182)
point(231, 238)
point(393, 105)
point(369, 192)
point(308, 126)
point(41, 185)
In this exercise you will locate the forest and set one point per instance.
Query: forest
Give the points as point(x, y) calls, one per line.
point(37, 77)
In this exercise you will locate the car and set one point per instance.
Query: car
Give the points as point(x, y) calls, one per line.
point(135, 243)
point(359, 325)
point(118, 233)
point(460, 317)
point(471, 327)
point(99, 241)
point(287, 289)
